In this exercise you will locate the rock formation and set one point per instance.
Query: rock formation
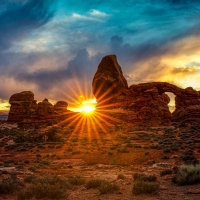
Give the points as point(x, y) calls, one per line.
point(109, 83)
point(23, 106)
point(61, 106)
point(142, 103)
point(45, 109)
point(146, 101)
point(25, 109)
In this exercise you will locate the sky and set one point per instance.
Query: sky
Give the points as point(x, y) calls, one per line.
point(53, 47)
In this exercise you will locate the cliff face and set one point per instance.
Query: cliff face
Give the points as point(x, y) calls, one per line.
point(146, 101)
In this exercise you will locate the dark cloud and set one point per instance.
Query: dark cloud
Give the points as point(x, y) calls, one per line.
point(21, 18)
point(82, 67)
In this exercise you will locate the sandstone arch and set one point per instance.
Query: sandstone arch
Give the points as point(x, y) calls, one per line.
point(147, 101)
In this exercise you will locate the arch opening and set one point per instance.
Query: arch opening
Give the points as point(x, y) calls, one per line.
point(171, 104)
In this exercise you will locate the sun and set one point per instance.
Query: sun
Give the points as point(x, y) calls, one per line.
point(87, 109)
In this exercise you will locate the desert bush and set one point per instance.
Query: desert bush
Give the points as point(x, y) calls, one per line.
point(46, 187)
point(187, 175)
point(144, 177)
point(52, 135)
point(76, 152)
point(165, 172)
point(141, 187)
point(93, 183)
point(10, 185)
point(123, 150)
point(165, 157)
point(31, 178)
point(107, 187)
point(167, 150)
point(76, 180)
point(121, 176)
point(30, 136)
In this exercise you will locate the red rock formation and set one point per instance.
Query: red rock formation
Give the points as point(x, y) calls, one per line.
point(145, 101)
point(61, 106)
point(147, 104)
point(109, 83)
point(25, 109)
point(22, 106)
point(45, 109)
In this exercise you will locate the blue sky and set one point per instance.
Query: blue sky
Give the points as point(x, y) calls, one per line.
point(53, 47)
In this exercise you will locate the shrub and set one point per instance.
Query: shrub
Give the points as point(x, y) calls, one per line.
point(47, 187)
point(10, 185)
point(31, 178)
point(141, 187)
point(165, 157)
point(93, 183)
point(167, 150)
point(52, 135)
point(165, 172)
point(107, 187)
point(121, 176)
point(123, 150)
point(76, 180)
point(144, 177)
point(187, 175)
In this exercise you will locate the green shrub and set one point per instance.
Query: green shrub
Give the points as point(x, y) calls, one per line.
point(76, 180)
point(187, 175)
point(165, 172)
point(31, 178)
point(10, 185)
point(141, 187)
point(121, 176)
point(93, 183)
point(47, 187)
point(107, 187)
point(144, 177)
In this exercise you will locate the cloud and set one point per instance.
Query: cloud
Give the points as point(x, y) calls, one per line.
point(21, 18)
point(98, 13)
point(83, 17)
point(82, 67)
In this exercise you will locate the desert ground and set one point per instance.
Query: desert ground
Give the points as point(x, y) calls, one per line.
point(113, 153)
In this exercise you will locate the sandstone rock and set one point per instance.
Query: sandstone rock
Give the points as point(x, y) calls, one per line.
point(109, 83)
point(22, 106)
point(61, 106)
point(25, 110)
point(45, 108)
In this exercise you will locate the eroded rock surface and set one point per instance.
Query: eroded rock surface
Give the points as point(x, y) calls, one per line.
point(145, 101)
point(25, 109)
point(109, 83)
point(23, 106)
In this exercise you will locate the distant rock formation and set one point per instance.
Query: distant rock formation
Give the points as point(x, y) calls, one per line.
point(145, 101)
point(25, 108)
point(60, 106)
point(109, 83)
